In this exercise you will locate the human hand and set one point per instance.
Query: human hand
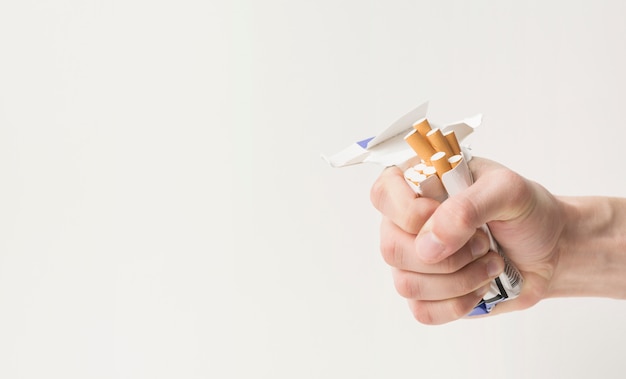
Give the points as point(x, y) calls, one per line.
point(440, 258)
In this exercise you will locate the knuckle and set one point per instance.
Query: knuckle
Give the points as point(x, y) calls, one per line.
point(413, 219)
point(406, 287)
point(465, 283)
point(407, 222)
point(515, 184)
point(451, 264)
point(436, 313)
point(461, 212)
point(423, 314)
point(378, 193)
point(391, 252)
point(508, 176)
point(458, 309)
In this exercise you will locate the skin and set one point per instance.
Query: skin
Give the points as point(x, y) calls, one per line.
point(563, 246)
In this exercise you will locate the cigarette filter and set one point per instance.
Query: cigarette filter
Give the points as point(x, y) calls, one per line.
point(420, 145)
point(422, 127)
point(439, 142)
point(453, 142)
point(430, 187)
point(458, 178)
point(411, 177)
point(419, 167)
point(429, 171)
point(455, 159)
point(440, 162)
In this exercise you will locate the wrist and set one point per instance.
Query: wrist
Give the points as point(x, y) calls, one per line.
point(592, 249)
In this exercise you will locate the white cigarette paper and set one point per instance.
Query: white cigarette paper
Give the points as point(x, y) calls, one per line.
point(457, 179)
point(432, 188)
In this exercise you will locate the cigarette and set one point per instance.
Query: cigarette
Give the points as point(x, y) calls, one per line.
point(420, 145)
point(413, 179)
point(458, 179)
point(441, 163)
point(429, 171)
point(419, 167)
point(414, 176)
point(432, 188)
point(455, 160)
point(453, 142)
point(439, 142)
point(422, 126)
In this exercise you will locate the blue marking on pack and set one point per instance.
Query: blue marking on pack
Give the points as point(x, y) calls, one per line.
point(481, 309)
point(363, 143)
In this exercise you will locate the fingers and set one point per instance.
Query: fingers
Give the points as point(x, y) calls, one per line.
point(497, 194)
point(431, 303)
point(392, 196)
point(421, 286)
point(398, 250)
point(443, 311)
point(446, 290)
point(440, 261)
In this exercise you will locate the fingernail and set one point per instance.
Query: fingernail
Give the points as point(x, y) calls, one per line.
point(479, 246)
point(494, 268)
point(429, 247)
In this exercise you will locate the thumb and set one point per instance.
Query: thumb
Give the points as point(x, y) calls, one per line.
point(497, 194)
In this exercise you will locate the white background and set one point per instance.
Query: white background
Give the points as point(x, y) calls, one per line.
point(164, 211)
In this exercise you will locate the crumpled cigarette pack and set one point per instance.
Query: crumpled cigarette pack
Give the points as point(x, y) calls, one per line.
point(392, 147)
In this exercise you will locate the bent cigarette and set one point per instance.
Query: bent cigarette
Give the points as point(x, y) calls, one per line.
point(453, 142)
point(458, 179)
point(441, 163)
point(433, 188)
point(413, 178)
point(422, 126)
point(439, 142)
point(420, 145)
point(419, 167)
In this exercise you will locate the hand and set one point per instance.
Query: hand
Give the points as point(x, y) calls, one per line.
point(440, 260)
